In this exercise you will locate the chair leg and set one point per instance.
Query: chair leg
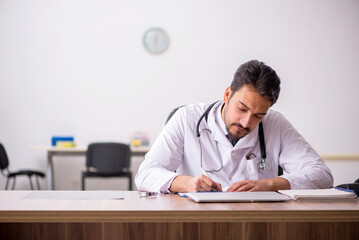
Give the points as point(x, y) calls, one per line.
point(7, 183)
point(130, 183)
point(38, 184)
point(83, 182)
point(31, 186)
point(13, 184)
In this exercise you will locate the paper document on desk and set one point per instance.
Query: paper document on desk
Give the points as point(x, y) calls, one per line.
point(264, 196)
point(76, 195)
point(319, 194)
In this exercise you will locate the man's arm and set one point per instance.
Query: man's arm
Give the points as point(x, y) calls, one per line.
point(303, 167)
point(271, 184)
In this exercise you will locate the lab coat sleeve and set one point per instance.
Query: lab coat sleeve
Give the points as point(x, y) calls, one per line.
point(303, 166)
point(157, 171)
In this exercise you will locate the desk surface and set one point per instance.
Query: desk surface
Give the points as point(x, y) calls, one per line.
point(169, 208)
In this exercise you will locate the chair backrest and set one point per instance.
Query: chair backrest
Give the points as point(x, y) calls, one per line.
point(171, 113)
point(4, 161)
point(109, 157)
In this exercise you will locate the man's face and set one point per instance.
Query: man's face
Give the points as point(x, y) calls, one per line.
point(243, 110)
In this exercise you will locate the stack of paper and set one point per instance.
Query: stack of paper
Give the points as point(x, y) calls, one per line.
point(319, 194)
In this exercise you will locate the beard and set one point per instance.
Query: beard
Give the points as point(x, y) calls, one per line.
point(237, 131)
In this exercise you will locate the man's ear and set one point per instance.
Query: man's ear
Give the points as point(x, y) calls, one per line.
point(227, 94)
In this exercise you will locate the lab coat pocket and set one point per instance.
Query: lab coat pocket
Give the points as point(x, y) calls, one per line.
point(253, 171)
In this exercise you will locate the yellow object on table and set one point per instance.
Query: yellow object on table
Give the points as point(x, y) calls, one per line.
point(65, 144)
point(136, 142)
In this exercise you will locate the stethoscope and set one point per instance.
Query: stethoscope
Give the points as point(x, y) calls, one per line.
point(262, 166)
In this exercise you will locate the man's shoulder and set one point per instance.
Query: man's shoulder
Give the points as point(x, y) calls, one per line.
point(274, 118)
point(195, 106)
point(275, 121)
point(273, 114)
point(194, 110)
point(188, 113)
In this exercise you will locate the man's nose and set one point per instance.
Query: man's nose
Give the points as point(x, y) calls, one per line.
point(246, 121)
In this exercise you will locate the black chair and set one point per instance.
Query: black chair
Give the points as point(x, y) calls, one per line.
point(108, 160)
point(4, 164)
point(280, 169)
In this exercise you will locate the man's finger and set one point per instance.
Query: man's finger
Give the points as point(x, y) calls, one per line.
point(244, 188)
point(218, 187)
point(212, 186)
point(204, 188)
point(234, 187)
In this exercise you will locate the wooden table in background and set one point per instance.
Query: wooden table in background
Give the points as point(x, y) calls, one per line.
point(169, 216)
point(73, 151)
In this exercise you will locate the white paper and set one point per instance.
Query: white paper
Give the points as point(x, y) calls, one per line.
point(318, 193)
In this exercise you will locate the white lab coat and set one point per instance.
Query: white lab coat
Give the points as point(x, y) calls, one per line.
point(176, 151)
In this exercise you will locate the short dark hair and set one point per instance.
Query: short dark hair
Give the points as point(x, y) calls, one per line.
point(260, 76)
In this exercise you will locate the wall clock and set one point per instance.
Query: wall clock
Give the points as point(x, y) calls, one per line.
point(155, 40)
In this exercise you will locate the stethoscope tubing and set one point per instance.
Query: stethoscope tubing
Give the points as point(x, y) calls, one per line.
point(263, 165)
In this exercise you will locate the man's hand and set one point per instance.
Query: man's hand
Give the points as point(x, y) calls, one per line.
point(194, 184)
point(271, 184)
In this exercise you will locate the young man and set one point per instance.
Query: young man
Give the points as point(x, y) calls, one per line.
point(218, 147)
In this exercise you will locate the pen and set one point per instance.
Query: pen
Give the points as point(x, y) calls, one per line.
point(346, 190)
point(215, 190)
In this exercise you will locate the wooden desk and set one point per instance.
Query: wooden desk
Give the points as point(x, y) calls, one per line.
point(76, 151)
point(171, 217)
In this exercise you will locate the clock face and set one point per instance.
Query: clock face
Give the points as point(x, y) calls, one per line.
point(155, 40)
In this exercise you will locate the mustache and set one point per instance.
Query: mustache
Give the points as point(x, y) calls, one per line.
point(240, 125)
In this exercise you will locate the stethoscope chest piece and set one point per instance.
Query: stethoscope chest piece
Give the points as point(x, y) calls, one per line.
point(263, 165)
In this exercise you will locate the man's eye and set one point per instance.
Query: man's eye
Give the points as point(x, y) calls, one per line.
point(259, 117)
point(242, 109)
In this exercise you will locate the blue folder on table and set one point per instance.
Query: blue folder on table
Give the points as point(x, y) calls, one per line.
point(55, 139)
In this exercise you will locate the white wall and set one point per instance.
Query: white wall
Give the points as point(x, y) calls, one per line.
point(79, 68)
